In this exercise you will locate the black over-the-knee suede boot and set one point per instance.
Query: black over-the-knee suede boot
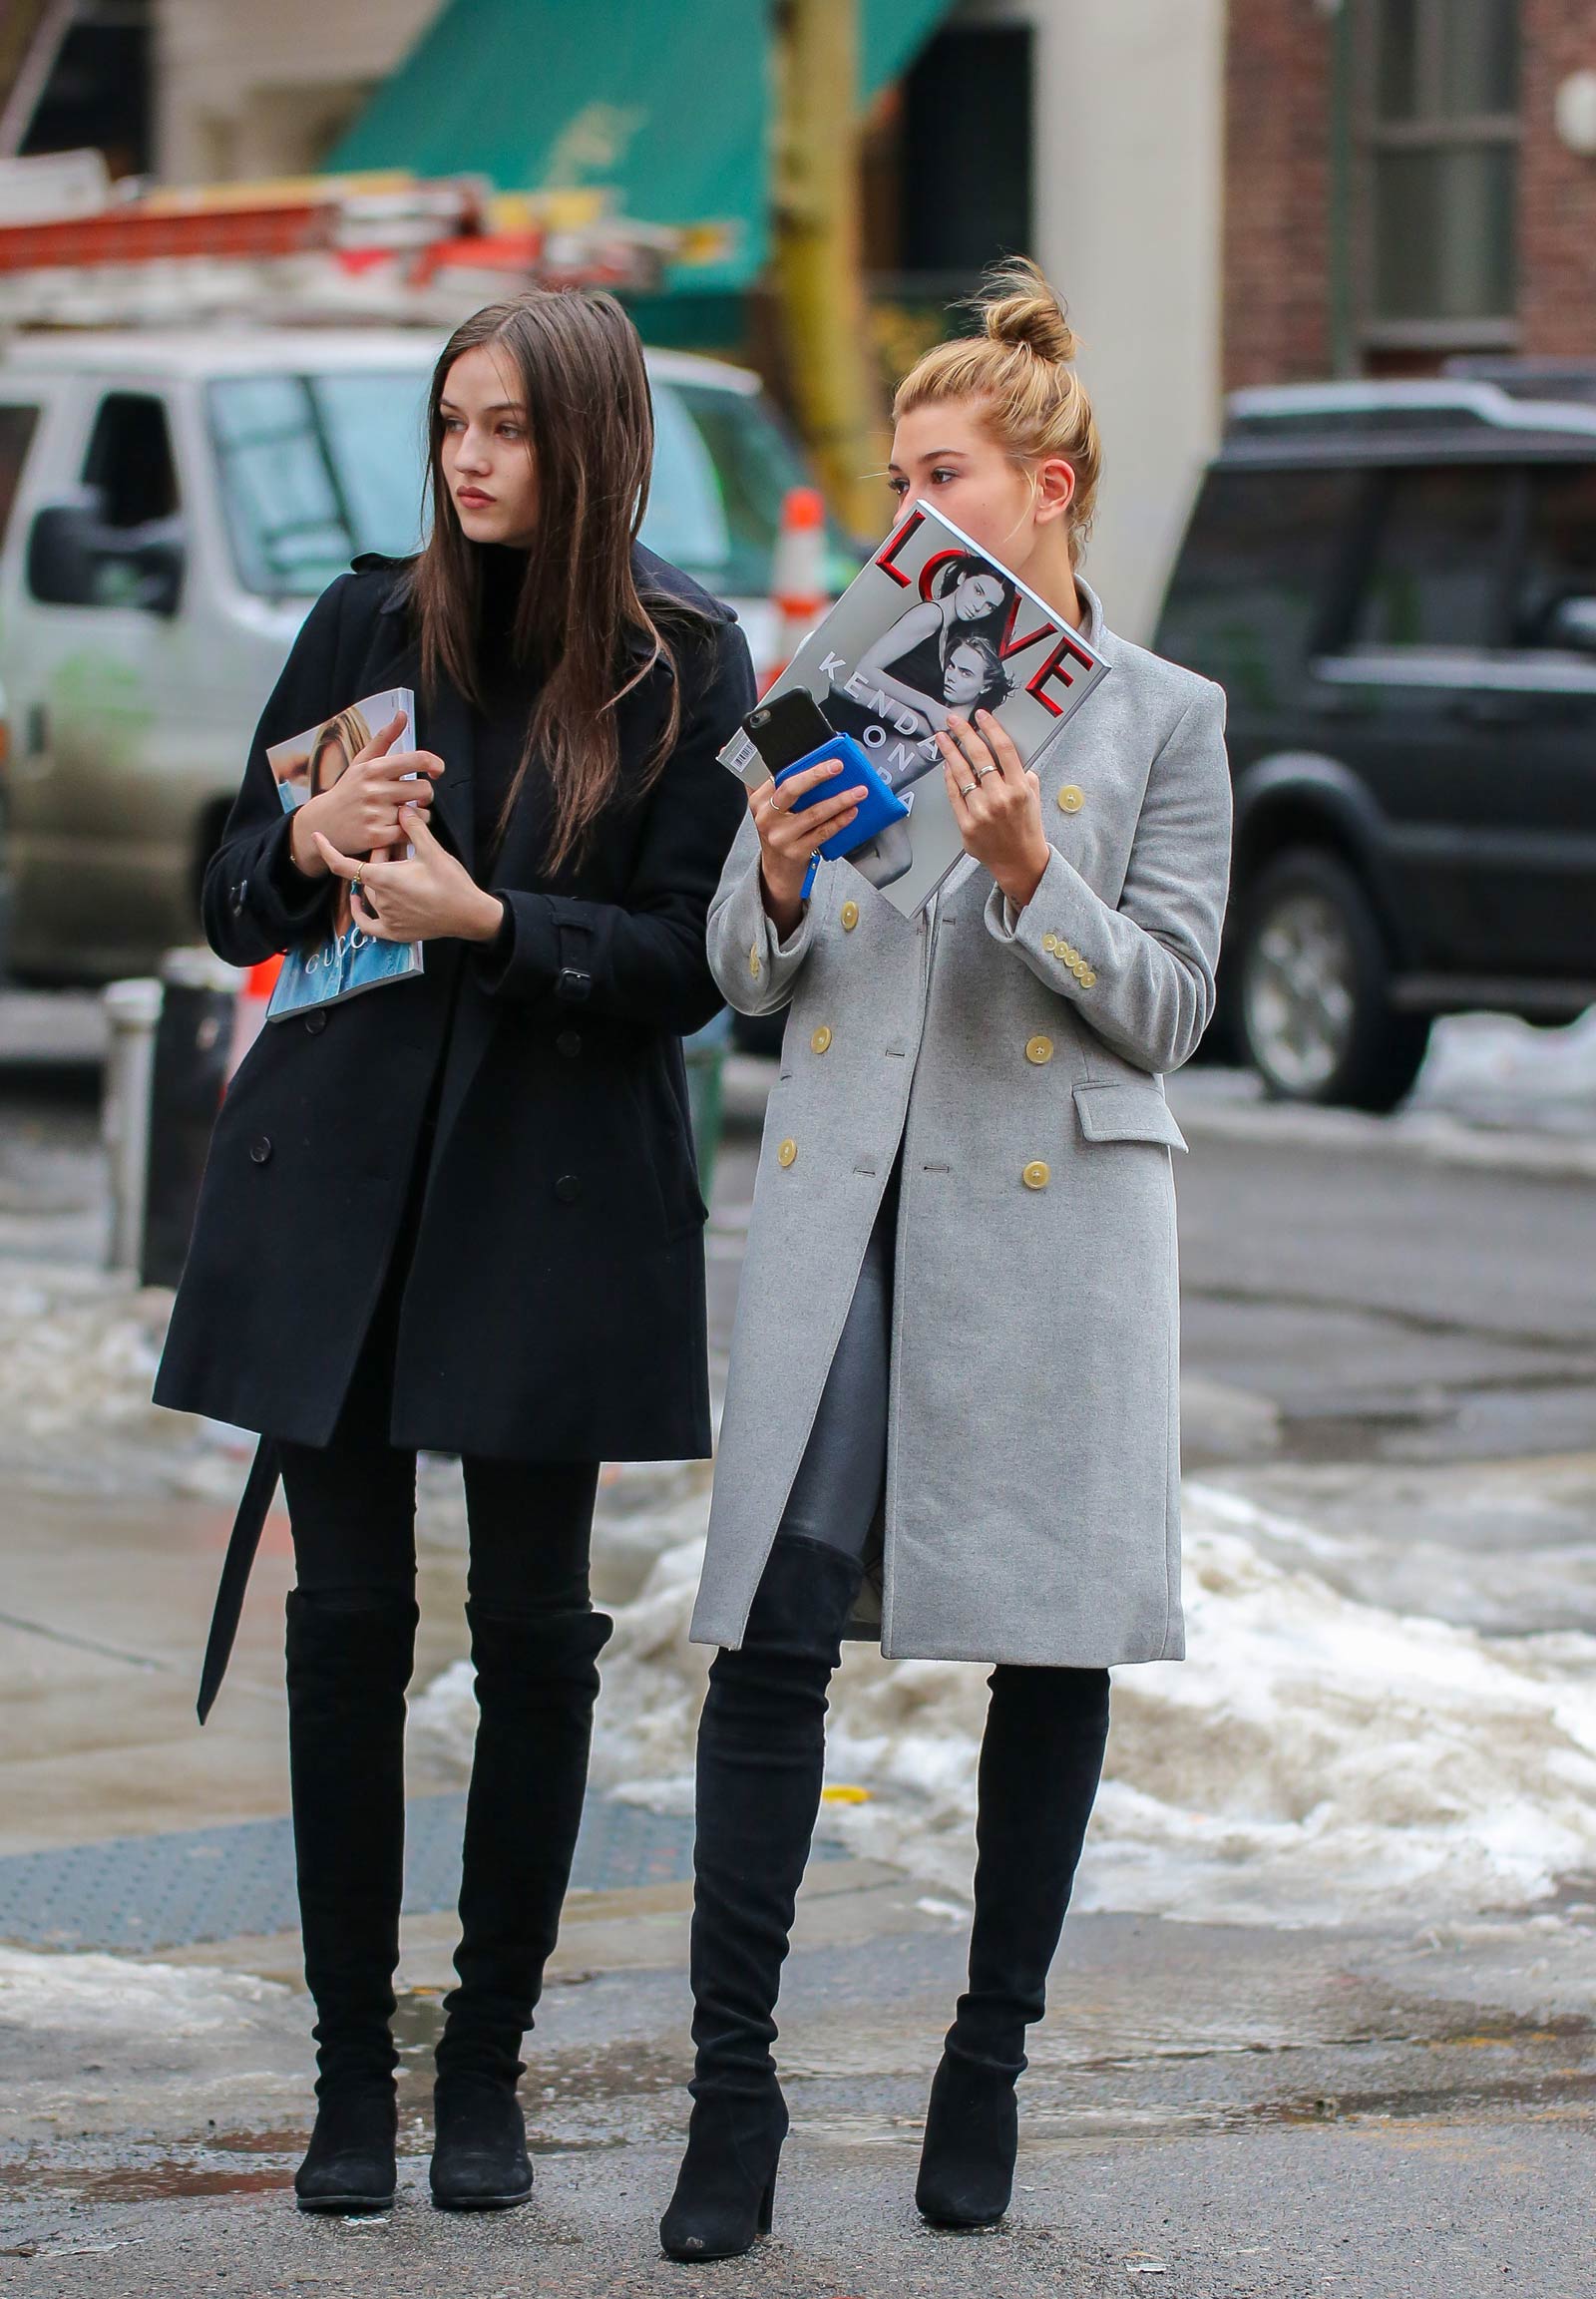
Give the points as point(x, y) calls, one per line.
point(537, 1680)
point(347, 1672)
point(761, 1760)
point(1041, 1761)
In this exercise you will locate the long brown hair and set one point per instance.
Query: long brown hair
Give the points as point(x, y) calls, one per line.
point(579, 367)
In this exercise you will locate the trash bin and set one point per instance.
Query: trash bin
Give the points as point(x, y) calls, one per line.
point(193, 1058)
point(706, 1055)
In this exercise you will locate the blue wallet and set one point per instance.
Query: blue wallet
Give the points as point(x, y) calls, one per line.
point(875, 812)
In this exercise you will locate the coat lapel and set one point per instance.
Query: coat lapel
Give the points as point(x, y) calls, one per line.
point(443, 725)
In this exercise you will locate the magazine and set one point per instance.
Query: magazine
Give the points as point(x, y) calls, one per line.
point(345, 962)
point(932, 623)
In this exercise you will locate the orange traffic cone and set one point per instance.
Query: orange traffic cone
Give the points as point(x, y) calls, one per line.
point(250, 1008)
point(798, 575)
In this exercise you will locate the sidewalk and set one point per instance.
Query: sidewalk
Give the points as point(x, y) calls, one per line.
point(1220, 2108)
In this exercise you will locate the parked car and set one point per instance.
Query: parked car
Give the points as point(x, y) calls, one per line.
point(170, 505)
point(1396, 584)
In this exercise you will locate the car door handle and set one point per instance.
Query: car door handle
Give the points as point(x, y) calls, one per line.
point(1492, 709)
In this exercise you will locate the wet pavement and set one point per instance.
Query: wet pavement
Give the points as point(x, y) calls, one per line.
point(1229, 2112)
point(1391, 1359)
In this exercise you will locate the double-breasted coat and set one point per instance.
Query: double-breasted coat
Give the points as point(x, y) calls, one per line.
point(1016, 1060)
point(554, 1308)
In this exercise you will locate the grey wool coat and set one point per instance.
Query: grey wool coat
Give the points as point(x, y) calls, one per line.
point(1032, 1511)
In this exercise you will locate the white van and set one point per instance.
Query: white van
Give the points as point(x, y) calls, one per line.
point(170, 505)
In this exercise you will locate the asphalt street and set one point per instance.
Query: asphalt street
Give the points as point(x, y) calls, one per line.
point(1400, 1336)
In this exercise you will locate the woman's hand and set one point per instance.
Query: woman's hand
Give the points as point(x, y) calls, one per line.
point(428, 897)
point(360, 813)
point(996, 803)
point(787, 841)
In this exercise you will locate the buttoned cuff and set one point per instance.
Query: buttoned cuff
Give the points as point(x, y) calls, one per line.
point(1055, 930)
point(299, 901)
point(524, 955)
point(753, 963)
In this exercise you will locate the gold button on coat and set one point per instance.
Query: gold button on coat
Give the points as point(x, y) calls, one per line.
point(787, 1152)
point(821, 1039)
point(1036, 1175)
point(1071, 799)
point(753, 963)
point(850, 917)
point(1039, 1049)
point(1087, 978)
point(1049, 943)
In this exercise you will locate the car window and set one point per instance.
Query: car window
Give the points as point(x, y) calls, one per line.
point(1559, 554)
point(1250, 585)
point(129, 460)
point(1434, 570)
point(18, 423)
point(317, 469)
point(722, 464)
point(121, 546)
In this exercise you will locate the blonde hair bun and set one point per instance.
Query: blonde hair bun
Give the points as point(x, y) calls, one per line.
point(1017, 375)
point(1019, 309)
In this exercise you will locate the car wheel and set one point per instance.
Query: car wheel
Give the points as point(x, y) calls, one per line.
point(1312, 983)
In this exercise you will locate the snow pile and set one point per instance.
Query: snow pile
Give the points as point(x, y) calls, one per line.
point(112, 1992)
point(1493, 1067)
point(80, 1350)
point(1317, 1758)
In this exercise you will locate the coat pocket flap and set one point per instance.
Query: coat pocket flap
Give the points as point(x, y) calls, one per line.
point(1110, 1111)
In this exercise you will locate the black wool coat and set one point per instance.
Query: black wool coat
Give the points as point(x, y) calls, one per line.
point(553, 1306)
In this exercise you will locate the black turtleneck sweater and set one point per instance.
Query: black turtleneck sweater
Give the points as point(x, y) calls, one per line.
point(510, 695)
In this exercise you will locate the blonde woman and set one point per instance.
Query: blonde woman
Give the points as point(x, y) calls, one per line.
point(953, 1374)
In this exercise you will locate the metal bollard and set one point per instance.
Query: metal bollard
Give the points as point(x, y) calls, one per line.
point(194, 1052)
point(705, 1056)
point(133, 1013)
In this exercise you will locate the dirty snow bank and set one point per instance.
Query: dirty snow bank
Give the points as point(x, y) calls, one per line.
point(1316, 1759)
point(115, 1992)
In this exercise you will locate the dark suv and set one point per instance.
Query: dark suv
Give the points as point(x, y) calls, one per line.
point(1396, 584)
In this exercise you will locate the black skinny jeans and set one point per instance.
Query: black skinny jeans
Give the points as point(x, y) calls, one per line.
point(353, 1506)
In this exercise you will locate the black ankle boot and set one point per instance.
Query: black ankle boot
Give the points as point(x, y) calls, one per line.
point(1041, 1761)
point(726, 2187)
point(761, 1760)
point(350, 2163)
point(479, 2147)
point(537, 1680)
point(347, 1672)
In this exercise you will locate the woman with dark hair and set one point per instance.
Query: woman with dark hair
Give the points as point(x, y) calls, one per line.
point(900, 735)
point(463, 1213)
point(908, 662)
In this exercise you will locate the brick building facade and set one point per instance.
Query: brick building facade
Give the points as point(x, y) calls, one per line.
point(1340, 252)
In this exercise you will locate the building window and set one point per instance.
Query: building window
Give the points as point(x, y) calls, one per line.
point(945, 182)
point(1440, 139)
